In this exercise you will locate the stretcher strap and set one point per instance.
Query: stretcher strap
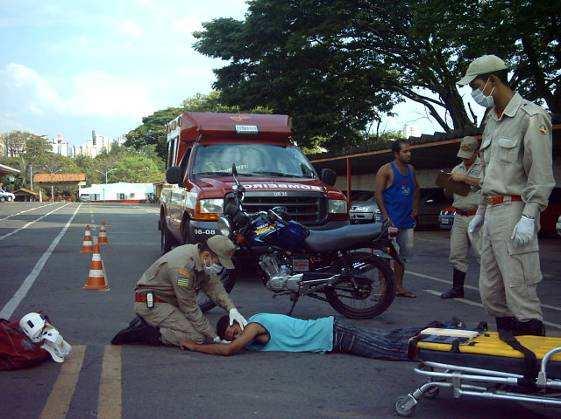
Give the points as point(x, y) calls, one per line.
point(531, 365)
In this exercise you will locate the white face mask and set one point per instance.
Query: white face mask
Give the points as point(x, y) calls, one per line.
point(214, 269)
point(481, 99)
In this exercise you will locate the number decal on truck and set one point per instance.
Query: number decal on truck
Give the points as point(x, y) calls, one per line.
point(206, 232)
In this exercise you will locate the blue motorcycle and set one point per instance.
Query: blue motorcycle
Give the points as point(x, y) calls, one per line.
point(348, 267)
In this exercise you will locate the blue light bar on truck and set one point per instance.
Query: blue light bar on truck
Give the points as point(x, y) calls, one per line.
point(246, 129)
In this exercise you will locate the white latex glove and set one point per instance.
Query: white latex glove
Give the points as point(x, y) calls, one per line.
point(523, 231)
point(235, 315)
point(218, 340)
point(477, 220)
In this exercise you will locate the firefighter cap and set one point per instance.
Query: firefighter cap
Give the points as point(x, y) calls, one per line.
point(468, 147)
point(224, 248)
point(482, 65)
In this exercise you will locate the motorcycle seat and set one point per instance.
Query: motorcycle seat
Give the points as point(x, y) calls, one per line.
point(343, 238)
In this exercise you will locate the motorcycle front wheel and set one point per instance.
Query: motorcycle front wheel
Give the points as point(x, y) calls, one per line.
point(228, 280)
point(367, 291)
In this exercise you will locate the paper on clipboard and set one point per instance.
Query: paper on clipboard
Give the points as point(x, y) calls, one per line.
point(445, 181)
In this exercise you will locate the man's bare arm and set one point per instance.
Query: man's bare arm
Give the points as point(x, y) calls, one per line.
point(416, 195)
point(250, 332)
point(381, 182)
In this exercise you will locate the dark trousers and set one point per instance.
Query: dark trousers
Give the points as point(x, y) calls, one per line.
point(372, 343)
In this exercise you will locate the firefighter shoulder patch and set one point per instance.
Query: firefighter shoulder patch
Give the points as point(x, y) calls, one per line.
point(184, 277)
point(183, 282)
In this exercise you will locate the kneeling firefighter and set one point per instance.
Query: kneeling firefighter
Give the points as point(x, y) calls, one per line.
point(166, 295)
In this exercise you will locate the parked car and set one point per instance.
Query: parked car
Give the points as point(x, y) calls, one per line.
point(433, 201)
point(558, 226)
point(6, 196)
point(446, 217)
point(364, 209)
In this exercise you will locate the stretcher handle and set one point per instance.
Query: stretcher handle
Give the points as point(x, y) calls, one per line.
point(542, 376)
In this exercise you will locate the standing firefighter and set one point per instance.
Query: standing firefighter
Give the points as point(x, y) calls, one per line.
point(166, 295)
point(468, 172)
point(516, 183)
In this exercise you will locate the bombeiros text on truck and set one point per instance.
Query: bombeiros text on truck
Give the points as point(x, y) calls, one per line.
point(214, 158)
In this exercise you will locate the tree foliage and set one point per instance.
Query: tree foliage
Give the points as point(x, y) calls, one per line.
point(153, 130)
point(338, 65)
point(124, 164)
point(31, 154)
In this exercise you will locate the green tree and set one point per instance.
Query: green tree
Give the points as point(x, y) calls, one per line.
point(285, 56)
point(120, 162)
point(338, 65)
point(88, 165)
point(137, 168)
point(153, 130)
point(30, 154)
point(529, 33)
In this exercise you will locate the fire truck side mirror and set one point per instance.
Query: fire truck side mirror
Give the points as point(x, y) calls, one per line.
point(328, 177)
point(173, 175)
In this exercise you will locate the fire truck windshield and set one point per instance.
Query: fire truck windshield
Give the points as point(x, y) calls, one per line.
point(263, 160)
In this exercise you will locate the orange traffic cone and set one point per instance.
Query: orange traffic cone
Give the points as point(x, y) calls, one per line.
point(96, 277)
point(87, 243)
point(102, 234)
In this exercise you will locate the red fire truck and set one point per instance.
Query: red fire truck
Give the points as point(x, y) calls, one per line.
point(201, 150)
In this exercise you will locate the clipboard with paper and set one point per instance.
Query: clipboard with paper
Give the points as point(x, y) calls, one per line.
point(444, 180)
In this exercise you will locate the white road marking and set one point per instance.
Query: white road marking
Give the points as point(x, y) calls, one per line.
point(27, 210)
point(11, 233)
point(470, 287)
point(473, 303)
point(28, 282)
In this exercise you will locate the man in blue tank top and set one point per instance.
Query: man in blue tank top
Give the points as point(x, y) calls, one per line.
point(266, 332)
point(397, 195)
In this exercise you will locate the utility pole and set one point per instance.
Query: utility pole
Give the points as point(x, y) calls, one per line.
point(52, 171)
point(106, 172)
point(31, 176)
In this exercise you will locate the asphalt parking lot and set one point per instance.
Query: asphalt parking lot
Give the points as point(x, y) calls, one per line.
point(41, 268)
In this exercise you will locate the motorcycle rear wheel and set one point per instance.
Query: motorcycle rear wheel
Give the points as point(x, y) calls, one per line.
point(228, 281)
point(380, 284)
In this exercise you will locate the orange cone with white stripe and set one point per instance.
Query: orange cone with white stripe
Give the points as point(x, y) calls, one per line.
point(102, 238)
point(87, 243)
point(96, 278)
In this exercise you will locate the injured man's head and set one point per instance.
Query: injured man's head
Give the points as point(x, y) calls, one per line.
point(227, 332)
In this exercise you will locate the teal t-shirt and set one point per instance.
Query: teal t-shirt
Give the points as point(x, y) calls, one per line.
point(287, 334)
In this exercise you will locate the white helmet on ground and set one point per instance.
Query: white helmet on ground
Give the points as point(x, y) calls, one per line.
point(55, 344)
point(32, 325)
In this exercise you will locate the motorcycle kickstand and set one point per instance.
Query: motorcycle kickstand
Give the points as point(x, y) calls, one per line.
point(294, 299)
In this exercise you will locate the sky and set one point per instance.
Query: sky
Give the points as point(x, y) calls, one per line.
point(72, 66)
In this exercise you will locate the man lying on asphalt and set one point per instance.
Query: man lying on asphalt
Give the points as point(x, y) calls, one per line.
point(280, 333)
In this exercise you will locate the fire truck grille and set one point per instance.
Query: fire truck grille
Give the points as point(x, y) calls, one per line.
point(308, 210)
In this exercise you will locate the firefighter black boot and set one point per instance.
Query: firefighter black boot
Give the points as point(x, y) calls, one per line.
point(138, 332)
point(532, 327)
point(457, 290)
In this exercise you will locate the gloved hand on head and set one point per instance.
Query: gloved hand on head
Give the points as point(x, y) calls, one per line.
point(218, 340)
point(523, 231)
point(235, 315)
